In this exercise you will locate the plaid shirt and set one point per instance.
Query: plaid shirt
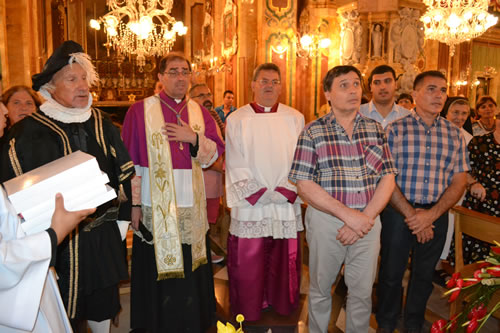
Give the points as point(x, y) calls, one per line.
point(426, 157)
point(348, 170)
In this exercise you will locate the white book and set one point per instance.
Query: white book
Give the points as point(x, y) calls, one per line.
point(62, 174)
point(92, 188)
point(76, 176)
point(43, 221)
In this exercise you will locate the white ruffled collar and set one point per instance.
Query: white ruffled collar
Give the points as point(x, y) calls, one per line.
point(64, 114)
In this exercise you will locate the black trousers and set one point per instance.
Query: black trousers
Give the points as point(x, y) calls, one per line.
point(397, 242)
point(177, 305)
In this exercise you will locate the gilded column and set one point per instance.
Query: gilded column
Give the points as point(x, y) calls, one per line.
point(19, 42)
point(248, 45)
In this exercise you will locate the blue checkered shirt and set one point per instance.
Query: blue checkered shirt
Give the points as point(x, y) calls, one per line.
point(426, 157)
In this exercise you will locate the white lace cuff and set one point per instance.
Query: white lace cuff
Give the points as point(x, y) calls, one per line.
point(136, 190)
point(206, 151)
point(242, 189)
point(267, 227)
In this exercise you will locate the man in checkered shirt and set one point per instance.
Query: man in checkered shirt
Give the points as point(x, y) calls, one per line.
point(431, 158)
point(344, 171)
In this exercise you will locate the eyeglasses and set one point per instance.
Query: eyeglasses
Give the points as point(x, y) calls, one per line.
point(183, 73)
point(265, 82)
point(207, 95)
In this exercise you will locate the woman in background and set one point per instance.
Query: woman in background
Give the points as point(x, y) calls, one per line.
point(483, 192)
point(21, 101)
point(486, 108)
point(3, 118)
point(457, 111)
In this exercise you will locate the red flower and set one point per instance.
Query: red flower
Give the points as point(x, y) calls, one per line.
point(454, 295)
point(471, 282)
point(473, 324)
point(484, 264)
point(477, 312)
point(453, 281)
point(481, 311)
point(495, 271)
point(439, 326)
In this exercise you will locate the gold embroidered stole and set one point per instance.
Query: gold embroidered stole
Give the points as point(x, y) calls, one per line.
point(171, 224)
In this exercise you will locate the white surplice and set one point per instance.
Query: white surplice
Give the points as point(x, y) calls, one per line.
point(29, 297)
point(259, 153)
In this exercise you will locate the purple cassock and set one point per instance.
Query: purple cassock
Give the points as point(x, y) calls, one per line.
point(133, 127)
point(275, 280)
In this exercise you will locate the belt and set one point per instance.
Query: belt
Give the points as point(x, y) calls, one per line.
point(425, 206)
point(110, 215)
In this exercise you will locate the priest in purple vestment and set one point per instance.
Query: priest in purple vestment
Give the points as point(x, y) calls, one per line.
point(170, 139)
point(263, 249)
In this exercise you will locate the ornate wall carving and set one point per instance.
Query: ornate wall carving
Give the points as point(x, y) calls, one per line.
point(407, 36)
point(351, 38)
point(407, 44)
point(229, 42)
point(280, 17)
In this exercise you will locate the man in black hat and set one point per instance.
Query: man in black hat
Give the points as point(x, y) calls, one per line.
point(90, 261)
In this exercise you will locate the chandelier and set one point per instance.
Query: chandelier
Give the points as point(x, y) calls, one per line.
point(311, 44)
point(140, 27)
point(455, 21)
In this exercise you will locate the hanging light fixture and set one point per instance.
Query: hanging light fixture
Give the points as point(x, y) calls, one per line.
point(140, 27)
point(311, 44)
point(455, 21)
point(214, 66)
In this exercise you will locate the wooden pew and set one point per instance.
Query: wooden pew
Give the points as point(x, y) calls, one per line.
point(478, 225)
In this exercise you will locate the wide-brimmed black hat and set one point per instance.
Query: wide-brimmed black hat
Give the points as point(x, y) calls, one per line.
point(56, 62)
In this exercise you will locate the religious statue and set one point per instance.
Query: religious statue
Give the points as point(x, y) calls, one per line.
point(396, 40)
point(377, 41)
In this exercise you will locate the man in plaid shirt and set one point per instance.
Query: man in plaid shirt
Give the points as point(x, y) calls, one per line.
point(344, 171)
point(431, 158)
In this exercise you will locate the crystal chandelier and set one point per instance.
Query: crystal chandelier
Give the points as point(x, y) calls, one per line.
point(455, 21)
point(140, 27)
point(311, 44)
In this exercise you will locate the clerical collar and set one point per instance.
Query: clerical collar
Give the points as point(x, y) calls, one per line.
point(264, 109)
point(176, 100)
